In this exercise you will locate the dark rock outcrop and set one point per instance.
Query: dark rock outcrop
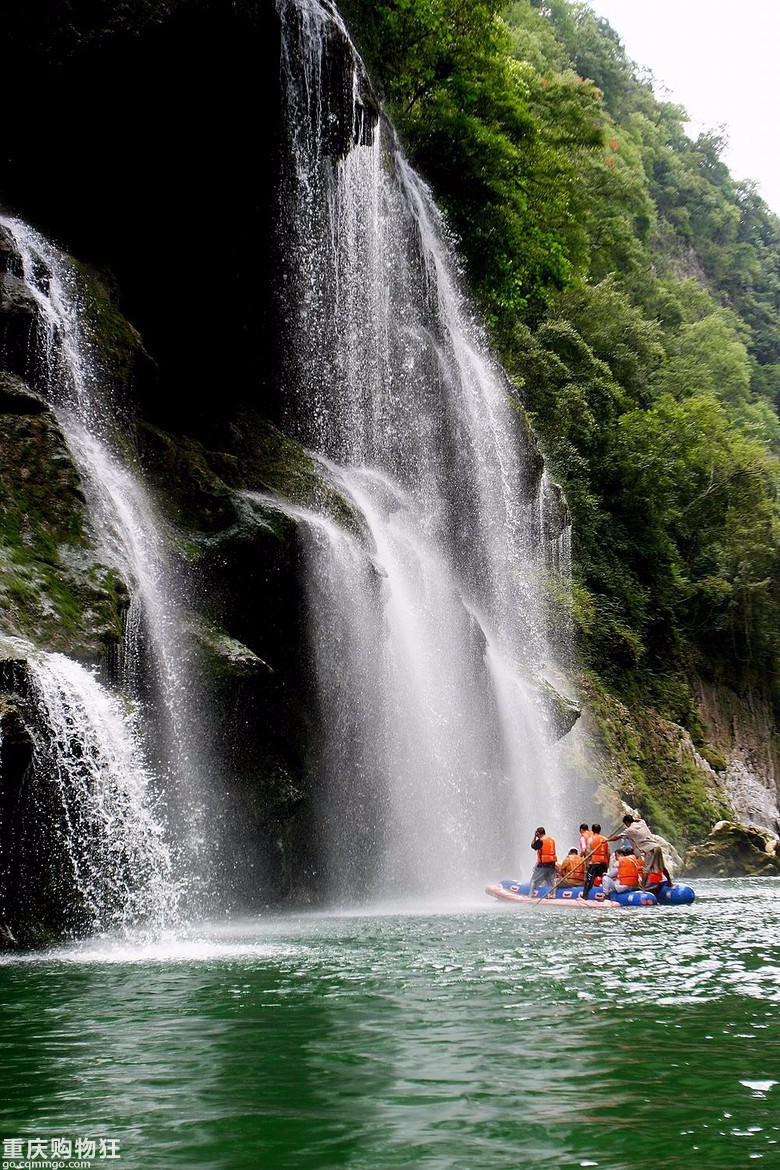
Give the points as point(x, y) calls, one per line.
point(733, 850)
point(18, 323)
point(172, 182)
point(560, 712)
point(38, 901)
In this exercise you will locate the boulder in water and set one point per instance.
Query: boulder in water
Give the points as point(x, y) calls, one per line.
point(734, 850)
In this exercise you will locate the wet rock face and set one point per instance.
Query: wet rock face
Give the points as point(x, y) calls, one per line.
point(741, 729)
point(54, 588)
point(18, 323)
point(733, 850)
point(18, 310)
point(349, 122)
point(37, 899)
point(559, 711)
point(17, 398)
point(16, 754)
point(10, 260)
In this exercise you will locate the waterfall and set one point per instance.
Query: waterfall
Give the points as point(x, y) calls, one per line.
point(66, 370)
point(100, 796)
point(428, 644)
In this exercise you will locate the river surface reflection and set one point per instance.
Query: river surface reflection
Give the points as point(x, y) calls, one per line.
point(479, 1037)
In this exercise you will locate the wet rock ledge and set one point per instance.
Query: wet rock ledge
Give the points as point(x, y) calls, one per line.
point(733, 850)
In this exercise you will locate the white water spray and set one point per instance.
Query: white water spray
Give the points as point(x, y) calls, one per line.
point(427, 672)
point(68, 374)
point(100, 793)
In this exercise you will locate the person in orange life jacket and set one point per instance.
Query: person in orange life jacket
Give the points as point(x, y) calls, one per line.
point(598, 862)
point(572, 869)
point(654, 880)
point(645, 845)
point(624, 873)
point(546, 861)
point(586, 836)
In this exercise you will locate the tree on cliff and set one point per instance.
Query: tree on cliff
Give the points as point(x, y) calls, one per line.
point(633, 290)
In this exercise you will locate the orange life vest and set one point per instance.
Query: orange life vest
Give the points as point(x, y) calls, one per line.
point(573, 870)
point(545, 855)
point(628, 871)
point(599, 850)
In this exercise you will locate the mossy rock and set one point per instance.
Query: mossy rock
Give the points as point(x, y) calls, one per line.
point(652, 764)
point(560, 712)
point(733, 850)
point(199, 488)
point(54, 589)
point(716, 759)
point(193, 496)
point(232, 657)
point(117, 347)
point(267, 459)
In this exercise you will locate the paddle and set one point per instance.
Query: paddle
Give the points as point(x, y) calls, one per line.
point(613, 836)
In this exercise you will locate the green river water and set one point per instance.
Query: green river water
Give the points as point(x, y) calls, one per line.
point(468, 1039)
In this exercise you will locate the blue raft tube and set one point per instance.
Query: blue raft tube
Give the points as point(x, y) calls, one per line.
point(664, 895)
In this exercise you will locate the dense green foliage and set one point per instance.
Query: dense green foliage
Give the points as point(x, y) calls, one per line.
point(632, 288)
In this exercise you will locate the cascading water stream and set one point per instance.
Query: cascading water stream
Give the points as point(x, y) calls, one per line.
point(67, 373)
point(121, 867)
point(425, 671)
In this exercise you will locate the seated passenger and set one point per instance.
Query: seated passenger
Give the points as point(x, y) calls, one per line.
point(624, 874)
point(572, 869)
point(654, 880)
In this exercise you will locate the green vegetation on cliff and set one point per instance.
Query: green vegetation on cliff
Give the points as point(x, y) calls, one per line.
point(632, 288)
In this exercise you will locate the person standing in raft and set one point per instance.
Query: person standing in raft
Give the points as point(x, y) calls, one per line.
point(598, 862)
point(586, 836)
point(647, 846)
point(572, 869)
point(546, 861)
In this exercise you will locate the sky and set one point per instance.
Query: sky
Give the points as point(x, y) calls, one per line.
point(719, 60)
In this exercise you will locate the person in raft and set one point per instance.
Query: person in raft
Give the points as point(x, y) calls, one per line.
point(586, 836)
point(647, 846)
point(546, 861)
point(624, 874)
point(572, 869)
point(598, 862)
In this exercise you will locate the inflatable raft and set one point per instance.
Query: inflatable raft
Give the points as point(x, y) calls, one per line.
point(665, 895)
